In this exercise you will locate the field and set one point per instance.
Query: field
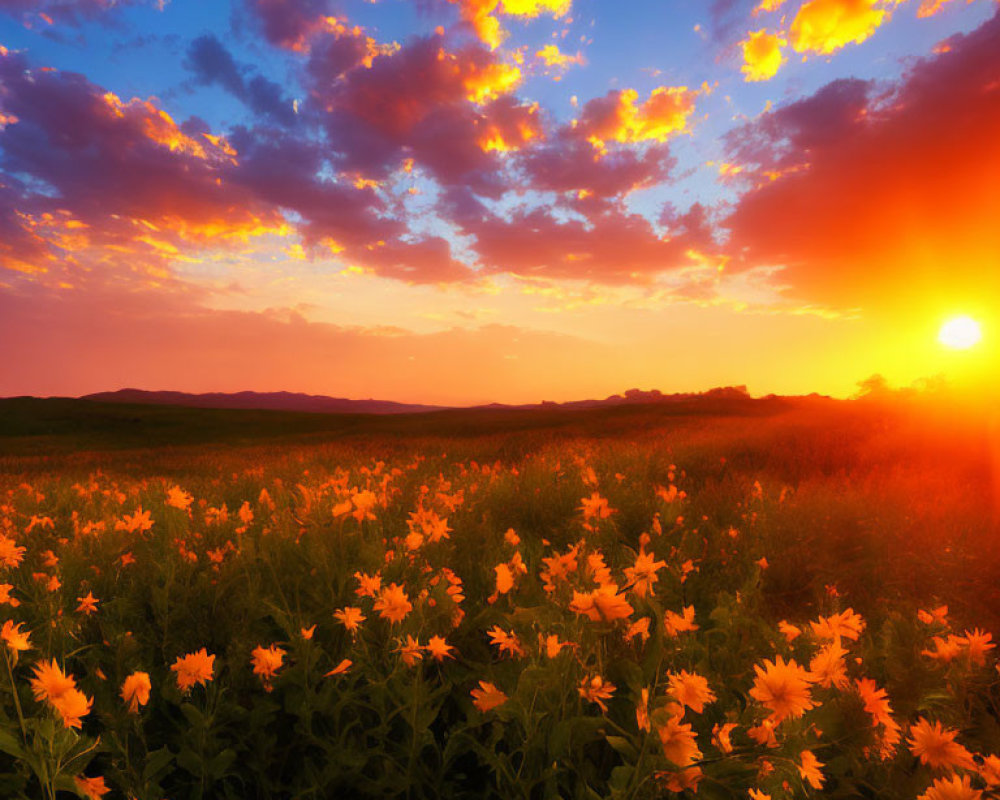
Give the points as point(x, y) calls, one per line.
point(763, 599)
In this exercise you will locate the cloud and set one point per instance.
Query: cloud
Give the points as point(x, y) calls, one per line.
point(616, 117)
point(65, 12)
point(881, 196)
point(211, 63)
point(762, 57)
point(290, 23)
point(481, 15)
point(824, 26)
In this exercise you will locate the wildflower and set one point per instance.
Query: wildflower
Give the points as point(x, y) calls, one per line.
point(135, 691)
point(642, 574)
point(989, 771)
point(936, 746)
point(558, 568)
point(978, 644)
point(638, 628)
point(487, 697)
point(553, 647)
point(783, 688)
point(681, 781)
point(50, 681)
point(757, 794)
point(604, 604)
point(5, 590)
point(350, 617)
point(505, 579)
point(15, 638)
point(88, 604)
point(307, 633)
point(11, 554)
point(364, 502)
point(266, 663)
point(763, 734)
point(847, 624)
point(875, 700)
point(789, 631)
point(679, 623)
point(506, 642)
point(93, 788)
point(642, 711)
point(679, 744)
point(939, 615)
point(596, 690)
point(721, 736)
point(828, 666)
point(393, 604)
point(809, 769)
point(178, 498)
point(138, 522)
point(193, 668)
point(410, 652)
point(340, 669)
point(72, 706)
point(512, 538)
point(945, 650)
point(598, 569)
point(595, 506)
point(439, 649)
point(953, 788)
point(691, 690)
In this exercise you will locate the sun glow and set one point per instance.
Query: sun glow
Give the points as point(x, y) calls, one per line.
point(960, 333)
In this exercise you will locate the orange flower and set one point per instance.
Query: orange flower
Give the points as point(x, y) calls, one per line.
point(936, 746)
point(178, 498)
point(939, 615)
point(828, 666)
point(978, 644)
point(16, 638)
point(350, 617)
point(135, 691)
point(595, 506)
point(783, 688)
point(953, 788)
point(679, 623)
point(93, 788)
point(410, 652)
point(553, 647)
point(557, 568)
point(11, 555)
point(691, 690)
point(487, 697)
point(945, 650)
point(307, 633)
point(721, 736)
point(809, 769)
point(604, 604)
point(340, 669)
point(5, 590)
point(789, 631)
point(642, 574)
point(757, 794)
point(642, 711)
point(506, 642)
point(266, 663)
point(368, 585)
point(72, 705)
point(50, 681)
point(596, 690)
point(505, 579)
point(638, 628)
point(88, 604)
point(439, 649)
point(193, 668)
point(679, 744)
point(846, 624)
point(393, 604)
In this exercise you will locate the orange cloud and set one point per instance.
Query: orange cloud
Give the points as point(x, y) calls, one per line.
point(551, 56)
point(481, 14)
point(762, 56)
point(824, 26)
point(616, 117)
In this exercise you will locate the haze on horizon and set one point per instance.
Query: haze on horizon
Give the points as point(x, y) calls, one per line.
point(466, 201)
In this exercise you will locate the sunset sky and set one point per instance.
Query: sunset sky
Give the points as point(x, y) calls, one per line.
point(459, 201)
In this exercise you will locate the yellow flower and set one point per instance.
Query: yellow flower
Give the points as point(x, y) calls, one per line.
point(604, 604)
point(439, 649)
point(193, 668)
point(340, 669)
point(266, 663)
point(783, 688)
point(350, 617)
point(410, 652)
point(691, 690)
point(88, 604)
point(93, 788)
point(809, 769)
point(679, 623)
point(936, 746)
point(596, 690)
point(828, 666)
point(16, 638)
point(642, 574)
point(953, 788)
point(393, 604)
point(487, 696)
point(847, 624)
point(135, 691)
point(679, 744)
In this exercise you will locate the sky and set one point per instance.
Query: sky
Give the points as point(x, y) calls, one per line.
point(465, 201)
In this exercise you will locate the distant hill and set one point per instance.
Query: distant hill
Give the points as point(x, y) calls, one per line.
point(321, 404)
point(273, 401)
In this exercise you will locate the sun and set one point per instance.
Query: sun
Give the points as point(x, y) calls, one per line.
point(960, 333)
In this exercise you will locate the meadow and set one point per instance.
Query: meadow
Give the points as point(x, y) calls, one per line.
point(771, 599)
